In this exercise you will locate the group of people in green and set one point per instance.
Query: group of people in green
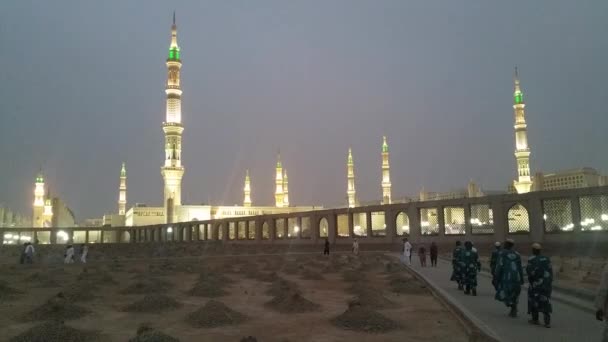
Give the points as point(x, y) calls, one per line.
point(508, 277)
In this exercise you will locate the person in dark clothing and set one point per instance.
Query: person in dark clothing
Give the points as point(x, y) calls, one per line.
point(434, 253)
point(326, 249)
point(22, 257)
point(494, 261)
point(457, 265)
point(509, 277)
point(470, 259)
point(422, 255)
point(540, 277)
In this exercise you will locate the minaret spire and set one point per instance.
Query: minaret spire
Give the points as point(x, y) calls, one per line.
point(285, 189)
point(523, 183)
point(386, 177)
point(173, 170)
point(38, 209)
point(247, 190)
point(122, 191)
point(278, 194)
point(350, 174)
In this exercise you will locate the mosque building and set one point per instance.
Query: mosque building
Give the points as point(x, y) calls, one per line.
point(173, 170)
point(51, 212)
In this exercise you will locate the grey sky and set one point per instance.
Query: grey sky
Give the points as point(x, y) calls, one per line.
point(83, 90)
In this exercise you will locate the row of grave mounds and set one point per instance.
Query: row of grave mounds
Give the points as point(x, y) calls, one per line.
point(56, 330)
point(153, 303)
point(58, 307)
point(146, 333)
point(215, 314)
point(362, 318)
point(8, 292)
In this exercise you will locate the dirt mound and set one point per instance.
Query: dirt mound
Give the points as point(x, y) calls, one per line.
point(291, 302)
point(361, 318)
point(214, 314)
point(280, 286)
point(208, 288)
point(309, 274)
point(55, 331)
point(249, 339)
point(79, 292)
point(370, 297)
point(96, 276)
point(291, 268)
point(147, 334)
point(7, 292)
point(153, 303)
point(145, 286)
point(40, 279)
point(57, 308)
point(407, 285)
point(353, 275)
point(267, 277)
point(215, 276)
point(393, 267)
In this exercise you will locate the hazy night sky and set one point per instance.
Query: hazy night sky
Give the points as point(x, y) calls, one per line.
point(83, 90)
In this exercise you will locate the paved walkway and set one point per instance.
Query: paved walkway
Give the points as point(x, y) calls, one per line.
point(568, 323)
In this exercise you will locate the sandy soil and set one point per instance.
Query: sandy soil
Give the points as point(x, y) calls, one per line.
point(106, 292)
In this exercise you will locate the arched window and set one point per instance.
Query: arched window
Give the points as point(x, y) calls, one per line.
point(323, 228)
point(519, 221)
point(265, 231)
point(402, 224)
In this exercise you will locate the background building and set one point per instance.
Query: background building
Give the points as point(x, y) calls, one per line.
point(567, 179)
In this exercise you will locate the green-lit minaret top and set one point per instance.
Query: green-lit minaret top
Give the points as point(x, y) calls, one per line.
point(518, 95)
point(174, 48)
point(39, 178)
point(123, 170)
point(350, 157)
point(384, 144)
point(279, 164)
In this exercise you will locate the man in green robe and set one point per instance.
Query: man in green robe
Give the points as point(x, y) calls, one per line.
point(540, 277)
point(494, 261)
point(470, 258)
point(509, 277)
point(457, 265)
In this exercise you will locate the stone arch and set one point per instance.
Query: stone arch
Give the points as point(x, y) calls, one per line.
point(518, 219)
point(126, 236)
point(402, 224)
point(219, 232)
point(323, 227)
point(265, 231)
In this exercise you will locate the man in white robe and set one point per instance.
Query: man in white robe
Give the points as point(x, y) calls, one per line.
point(69, 255)
point(407, 252)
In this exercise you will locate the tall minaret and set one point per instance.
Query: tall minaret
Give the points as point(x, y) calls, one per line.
point(523, 183)
point(173, 171)
point(47, 215)
point(247, 190)
point(350, 174)
point(285, 189)
point(278, 194)
point(122, 191)
point(38, 219)
point(386, 177)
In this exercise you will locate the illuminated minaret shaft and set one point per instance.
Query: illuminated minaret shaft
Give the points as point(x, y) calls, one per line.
point(247, 190)
point(278, 194)
point(523, 183)
point(285, 189)
point(386, 176)
point(173, 170)
point(38, 218)
point(350, 173)
point(122, 191)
